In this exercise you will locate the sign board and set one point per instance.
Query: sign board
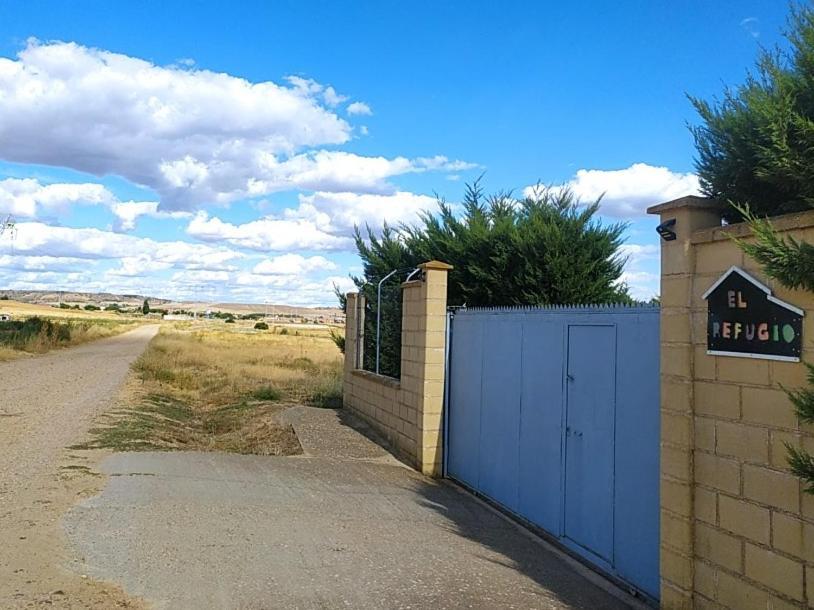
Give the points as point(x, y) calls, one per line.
point(744, 319)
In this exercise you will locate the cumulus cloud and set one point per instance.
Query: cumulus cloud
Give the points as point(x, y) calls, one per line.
point(193, 135)
point(293, 264)
point(36, 239)
point(359, 108)
point(289, 289)
point(28, 198)
point(642, 285)
point(340, 212)
point(41, 263)
point(628, 192)
point(638, 253)
point(266, 234)
point(321, 221)
point(128, 212)
point(641, 270)
point(339, 171)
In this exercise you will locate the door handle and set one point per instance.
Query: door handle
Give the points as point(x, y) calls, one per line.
point(569, 376)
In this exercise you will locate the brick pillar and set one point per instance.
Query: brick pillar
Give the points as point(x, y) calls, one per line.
point(354, 334)
point(677, 406)
point(424, 317)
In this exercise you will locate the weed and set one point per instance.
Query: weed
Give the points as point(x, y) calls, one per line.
point(267, 393)
point(220, 388)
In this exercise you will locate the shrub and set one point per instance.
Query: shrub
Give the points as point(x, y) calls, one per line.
point(261, 326)
point(755, 143)
point(229, 321)
point(338, 339)
point(548, 248)
point(283, 331)
point(91, 307)
point(267, 393)
point(33, 333)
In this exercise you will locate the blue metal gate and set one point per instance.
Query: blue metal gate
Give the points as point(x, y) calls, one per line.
point(553, 413)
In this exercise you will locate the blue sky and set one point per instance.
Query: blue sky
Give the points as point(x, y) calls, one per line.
point(224, 151)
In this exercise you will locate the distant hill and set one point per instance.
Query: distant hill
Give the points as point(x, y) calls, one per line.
point(101, 299)
point(55, 297)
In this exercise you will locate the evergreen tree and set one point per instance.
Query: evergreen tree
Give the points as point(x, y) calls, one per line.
point(145, 308)
point(791, 263)
point(541, 250)
point(756, 144)
point(756, 150)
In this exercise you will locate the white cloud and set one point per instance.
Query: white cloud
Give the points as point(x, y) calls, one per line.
point(192, 135)
point(200, 277)
point(28, 198)
point(359, 108)
point(266, 234)
point(752, 26)
point(312, 88)
point(127, 212)
point(642, 285)
point(340, 212)
point(628, 192)
point(101, 112)
point(641, 272)
point(638, 253)
point(293, 264)
point(288, 289)
point(38, 239)
point(339, 171)
point(322, 221)
point(41, 263)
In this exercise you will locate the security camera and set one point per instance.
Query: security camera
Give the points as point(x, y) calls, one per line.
point(666, 231)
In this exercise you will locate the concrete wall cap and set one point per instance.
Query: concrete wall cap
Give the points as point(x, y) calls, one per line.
point(438, 265)
point(690, 201)
point(786, 222)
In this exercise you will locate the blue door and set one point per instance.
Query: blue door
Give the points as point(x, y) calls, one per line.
point(589, 447)
point(553, 413)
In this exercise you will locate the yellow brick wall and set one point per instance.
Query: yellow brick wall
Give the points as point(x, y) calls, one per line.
point(407, 412)
point(737, 530)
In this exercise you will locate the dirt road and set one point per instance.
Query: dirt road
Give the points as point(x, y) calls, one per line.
point(47, 403)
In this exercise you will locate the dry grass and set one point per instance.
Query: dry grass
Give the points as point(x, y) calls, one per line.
point(37, 335)
point(214, 386)
point(20, 310)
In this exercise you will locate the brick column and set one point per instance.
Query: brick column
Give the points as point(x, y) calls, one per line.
point(350, 345)
point(424, 318)
point(408, 411)
point(677, 396)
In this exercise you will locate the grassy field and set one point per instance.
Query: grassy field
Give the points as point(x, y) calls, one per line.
point(35, 329)
point(214, 386)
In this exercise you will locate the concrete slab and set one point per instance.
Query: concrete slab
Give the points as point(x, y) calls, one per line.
point(207, 530)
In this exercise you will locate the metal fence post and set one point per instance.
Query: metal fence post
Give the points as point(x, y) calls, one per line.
point(379, 314)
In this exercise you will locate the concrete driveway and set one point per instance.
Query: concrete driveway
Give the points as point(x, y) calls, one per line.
point(344, 525)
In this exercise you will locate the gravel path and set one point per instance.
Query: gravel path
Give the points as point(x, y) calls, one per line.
point(46, 404)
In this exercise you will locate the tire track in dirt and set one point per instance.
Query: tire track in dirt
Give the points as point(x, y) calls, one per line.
point(47, 403)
